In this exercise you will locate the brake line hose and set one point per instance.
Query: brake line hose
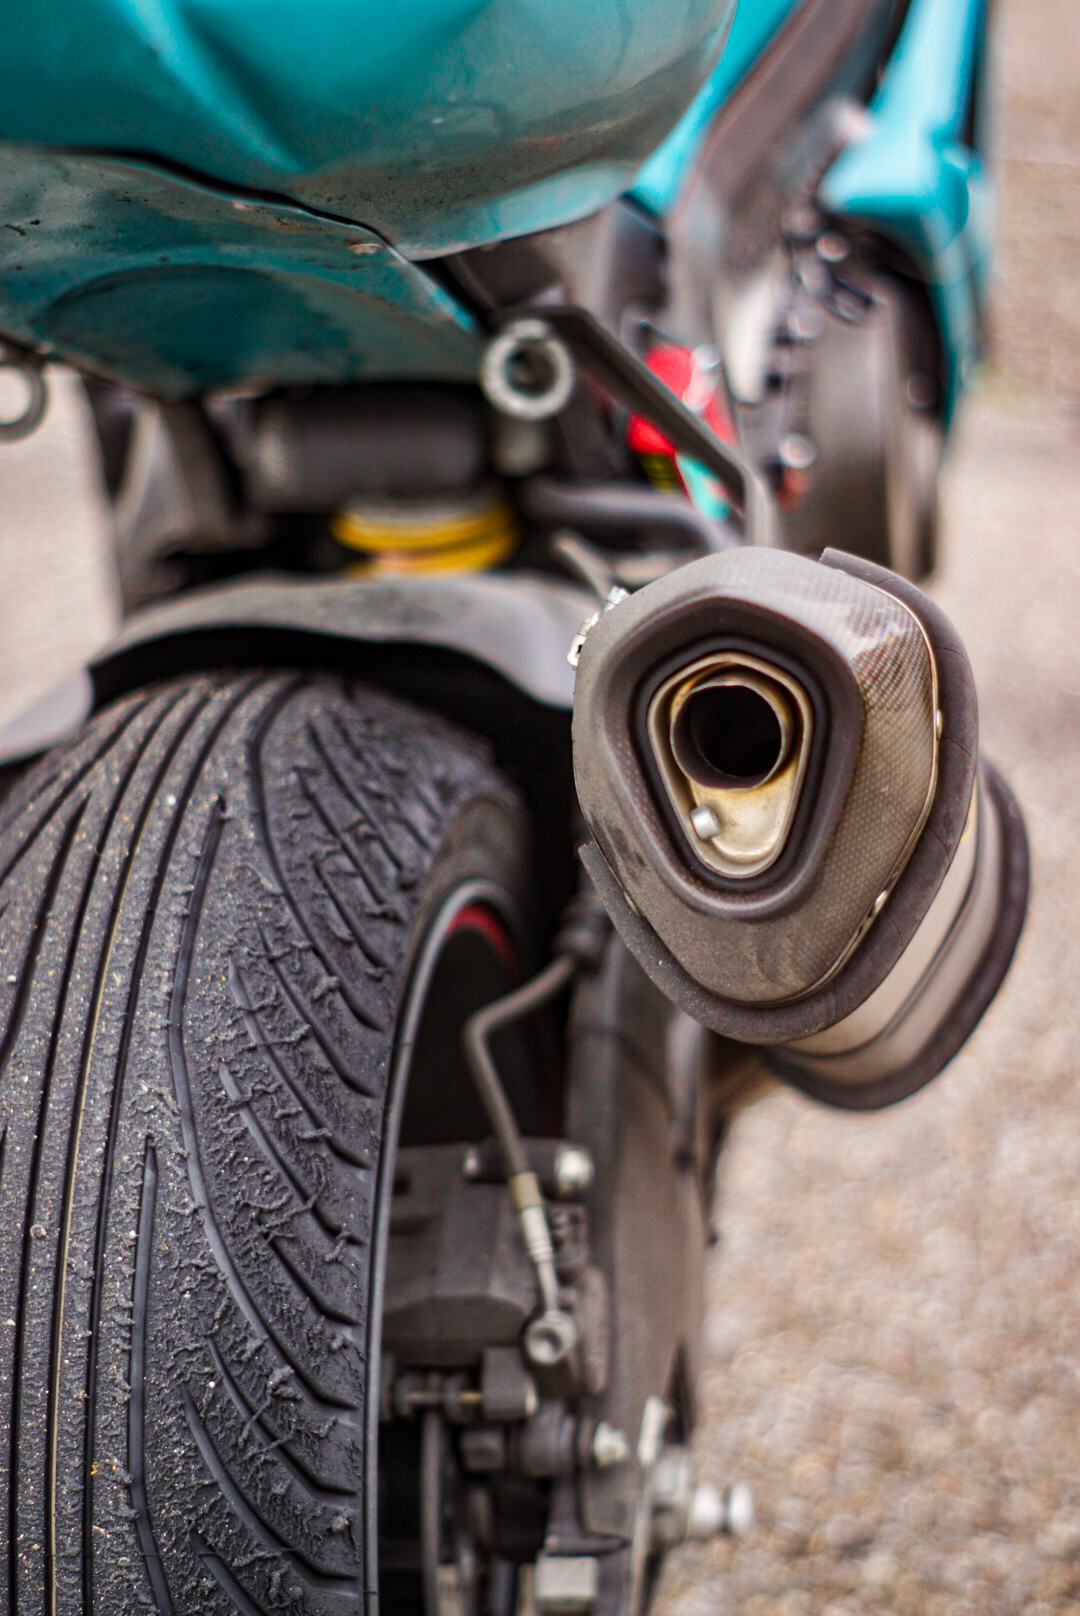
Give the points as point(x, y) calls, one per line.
point(522, 1181)
point(580, 943)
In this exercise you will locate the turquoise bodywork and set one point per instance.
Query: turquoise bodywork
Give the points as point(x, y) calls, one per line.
point(920, 177)
point(182, 289)
point(440, 124)
point(660, 183)
point(199, 195)
point(185, 184)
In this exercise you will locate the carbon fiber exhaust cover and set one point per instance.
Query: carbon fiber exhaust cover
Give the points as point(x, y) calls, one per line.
point(890, 795)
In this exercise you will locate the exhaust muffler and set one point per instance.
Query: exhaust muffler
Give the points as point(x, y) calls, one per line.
point(792, 830)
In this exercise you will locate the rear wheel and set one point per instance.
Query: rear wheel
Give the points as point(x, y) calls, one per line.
point(232, 915)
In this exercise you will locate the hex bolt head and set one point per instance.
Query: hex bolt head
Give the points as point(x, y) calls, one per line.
point(832, 248)
point(574, 1171)
point(550, 1339)
point(705, 823)
point(610, 1446)
point(739, 1511)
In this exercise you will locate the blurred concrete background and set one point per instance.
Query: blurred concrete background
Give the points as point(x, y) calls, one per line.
point(893, 1340)
point(893, 1336)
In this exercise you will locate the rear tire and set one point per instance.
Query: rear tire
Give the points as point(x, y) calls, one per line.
point(211, 907)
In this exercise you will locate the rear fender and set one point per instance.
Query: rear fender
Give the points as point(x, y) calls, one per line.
point(487, 651)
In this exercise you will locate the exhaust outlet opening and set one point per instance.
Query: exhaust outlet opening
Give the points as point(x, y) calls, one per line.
point(894, 862)
point(733, 732)
point(731, 736)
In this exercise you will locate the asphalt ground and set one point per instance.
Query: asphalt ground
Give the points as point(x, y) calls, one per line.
point(893, 1332)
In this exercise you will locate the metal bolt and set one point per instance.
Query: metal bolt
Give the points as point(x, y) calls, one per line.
point(550, 1339)
point(706, 1516)
point(712, 1512)
point(471, 1163)
point(574, 1171)
point(705, 823)
point(739, 1512)
point(684, 1509)
point(796, 452)
point(832, 247)
point(610, 1446)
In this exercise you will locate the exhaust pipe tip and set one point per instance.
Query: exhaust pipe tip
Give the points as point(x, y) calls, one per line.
point(778, 761)
point(731, 731)
point(731, 737)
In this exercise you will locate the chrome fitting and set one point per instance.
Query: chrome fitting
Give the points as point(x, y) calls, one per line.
point(684, 1509)
point(731, 735)
point(28, 370)
point(574, 1172)
point(527, 372)
point(566, 1585)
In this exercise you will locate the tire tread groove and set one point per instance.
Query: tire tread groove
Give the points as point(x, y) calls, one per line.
point(246, 1512)
point(72, 785)
point(208, 989)
point(184, 729)
point(216, 1241)
point(144, 1528)
point(52, 1408)
point(52, 887)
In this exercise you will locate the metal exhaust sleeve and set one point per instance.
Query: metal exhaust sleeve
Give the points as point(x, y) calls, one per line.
point(778, 761)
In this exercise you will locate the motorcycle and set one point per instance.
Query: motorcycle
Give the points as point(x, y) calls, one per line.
point(526, 743)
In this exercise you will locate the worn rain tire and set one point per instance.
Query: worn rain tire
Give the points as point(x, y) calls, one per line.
point(209, 907)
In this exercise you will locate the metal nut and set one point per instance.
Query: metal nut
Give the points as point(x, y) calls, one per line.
point(609, 1447)
point(566, 1585)
point(522, 343)
point(705, 822)
point(574, 1171)
point(739, 1512)
point(550, 1340)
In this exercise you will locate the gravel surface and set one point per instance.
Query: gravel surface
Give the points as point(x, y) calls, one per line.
point(893, 1338)
point(58, 593)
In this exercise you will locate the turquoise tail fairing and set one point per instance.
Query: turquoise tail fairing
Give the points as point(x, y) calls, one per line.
point(920, 177)
point(182, 289)
point(660, 183)
point(128, 131)
point(440, 124)
point(344, 147)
